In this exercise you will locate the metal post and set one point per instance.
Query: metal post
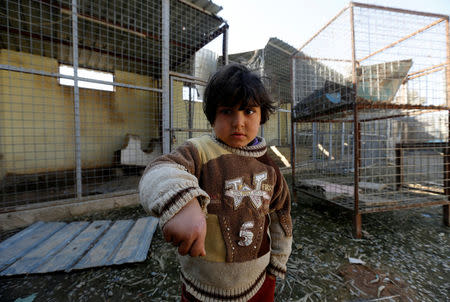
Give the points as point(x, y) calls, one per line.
point(171, 132)
point(446, 208)
point(314, 141)
point(190, 115)
point(165, 75)
point(342, 141)
point(398, 166)
point(357, 221)
point(279, 123)
point(330, 141)
point(76, 101)
point(225, 47)
point(293, 134)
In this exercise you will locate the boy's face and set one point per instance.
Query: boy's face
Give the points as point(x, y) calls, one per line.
point(237, 126)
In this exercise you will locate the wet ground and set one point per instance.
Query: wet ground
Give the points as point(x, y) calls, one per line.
point(406, 255)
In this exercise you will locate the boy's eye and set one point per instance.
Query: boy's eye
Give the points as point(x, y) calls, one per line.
point(225, 111)
point(249, 111)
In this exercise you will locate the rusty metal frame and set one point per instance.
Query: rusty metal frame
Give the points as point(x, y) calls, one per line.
point(424, 72)
point(350, 114)
point(378, 209)
point(402, 39)
point(399, 10)
point(365, 106)
point(446, 208)
point(357, 219)
point(325, 26)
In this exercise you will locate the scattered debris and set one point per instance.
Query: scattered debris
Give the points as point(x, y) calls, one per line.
point(30, 298)
point(355, 261)
point(369, 283)
point(407, 253)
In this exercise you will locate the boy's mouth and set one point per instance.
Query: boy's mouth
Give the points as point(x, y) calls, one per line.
point(238, 134)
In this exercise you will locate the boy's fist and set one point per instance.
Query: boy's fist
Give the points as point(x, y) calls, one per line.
point(187, 230)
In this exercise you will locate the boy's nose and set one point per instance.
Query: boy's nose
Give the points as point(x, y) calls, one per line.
point(238, 119)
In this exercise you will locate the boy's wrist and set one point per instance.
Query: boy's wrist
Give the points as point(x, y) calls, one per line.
point(270, 276)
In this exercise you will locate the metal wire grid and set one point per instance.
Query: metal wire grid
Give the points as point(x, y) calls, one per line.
point(188, 119)
point(276, 74)
point(396, 121)
point(277, 130)
point(273, 65)
point(42, 131)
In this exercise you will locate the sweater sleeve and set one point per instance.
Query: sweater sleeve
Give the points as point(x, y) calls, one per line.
point(280, 229)
point(170, 182)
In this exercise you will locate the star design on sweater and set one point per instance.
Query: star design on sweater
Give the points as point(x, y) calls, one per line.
point(237, 189)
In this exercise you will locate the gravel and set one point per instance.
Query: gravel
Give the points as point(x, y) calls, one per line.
point(403, 255)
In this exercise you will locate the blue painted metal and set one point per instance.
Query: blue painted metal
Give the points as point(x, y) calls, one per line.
point(137, 242)
point(106, 247)
point(73, 252)
point(17, 246)
point(44, 252)
point(58, 246)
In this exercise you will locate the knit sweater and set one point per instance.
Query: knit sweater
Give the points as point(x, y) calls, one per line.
point(247, 202)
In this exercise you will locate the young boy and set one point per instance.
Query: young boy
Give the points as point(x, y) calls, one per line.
point(222, 200)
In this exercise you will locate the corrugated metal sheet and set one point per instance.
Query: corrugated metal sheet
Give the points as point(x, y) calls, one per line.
point(58, 246)
point(206, 5)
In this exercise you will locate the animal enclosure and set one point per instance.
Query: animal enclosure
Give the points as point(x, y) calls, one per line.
point(273, 64)
point(85, 92)
point(371, 111)
point(92, 91)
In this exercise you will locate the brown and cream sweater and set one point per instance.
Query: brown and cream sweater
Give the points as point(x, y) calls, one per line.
point(249, 227)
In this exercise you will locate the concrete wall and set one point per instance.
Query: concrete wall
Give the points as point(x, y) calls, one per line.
point(37, 119)
point(271, 127)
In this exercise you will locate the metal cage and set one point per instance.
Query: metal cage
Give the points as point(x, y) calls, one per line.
point(371, 111)
point(64, 139)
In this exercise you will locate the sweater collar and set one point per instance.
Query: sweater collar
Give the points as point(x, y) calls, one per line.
point(257, 150)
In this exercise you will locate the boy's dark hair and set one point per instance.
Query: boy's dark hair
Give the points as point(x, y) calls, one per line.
point(235, 84)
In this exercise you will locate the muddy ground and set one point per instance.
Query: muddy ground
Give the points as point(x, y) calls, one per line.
point(406, 255)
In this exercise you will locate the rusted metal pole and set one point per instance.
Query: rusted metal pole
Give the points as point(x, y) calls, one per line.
point(165, 78)
point(399, 10)
point(446, 208)
point(398, 167)
point(293, 143)
point(442, 65)
point(402, 39)
point(225, 47)
point(76, 102)
point(357, 219)
point(325, 26)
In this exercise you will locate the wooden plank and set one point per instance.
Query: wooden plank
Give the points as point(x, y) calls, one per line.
point(105, 248)
point(137, 243)
point(45, 251)
point(67, 257)
point(21, 243)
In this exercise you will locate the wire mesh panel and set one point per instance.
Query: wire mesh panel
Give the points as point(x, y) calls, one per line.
point(47, 123)
point(371, 110)
point(277, 78)
point(188, 119)
point(273, 65)
point(81, 92)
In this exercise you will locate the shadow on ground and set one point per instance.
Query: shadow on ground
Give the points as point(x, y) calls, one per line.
point(406, 255)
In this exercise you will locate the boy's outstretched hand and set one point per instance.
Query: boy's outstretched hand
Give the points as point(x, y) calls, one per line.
point(187, 230)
